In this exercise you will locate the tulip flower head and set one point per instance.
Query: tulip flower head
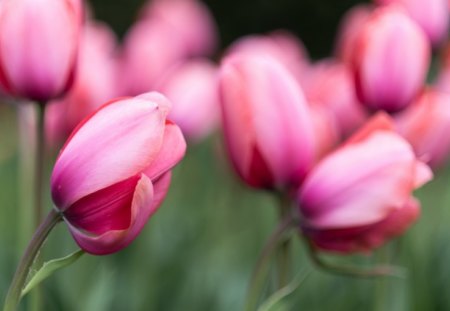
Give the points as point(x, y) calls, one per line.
point(38, 47)
point(267, 123)
point(388, 75)
point(360, 195)
point(114, 171)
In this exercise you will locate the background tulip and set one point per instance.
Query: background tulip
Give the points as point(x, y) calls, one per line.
point(359, 195)
point(38, 46)
point(267, 123)
point(114, 171)
point(387, 74)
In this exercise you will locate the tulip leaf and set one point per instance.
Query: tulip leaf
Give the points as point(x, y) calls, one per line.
point(49, 267)
point(277, 302)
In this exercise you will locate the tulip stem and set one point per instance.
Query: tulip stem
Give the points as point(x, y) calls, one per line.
point(376, 271)
point(39, 164)
point(260, 269)
point(284, 250)
point(15, 290)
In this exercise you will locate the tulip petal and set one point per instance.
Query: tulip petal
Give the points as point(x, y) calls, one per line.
point(140, 208)
point(94, 157)
point(160, 189)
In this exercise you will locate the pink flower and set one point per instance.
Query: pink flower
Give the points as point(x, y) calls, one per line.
point(95, 82)
point(426, 125)
point(193, 89)
point(114, 171)
point(38, 46)
point(267, 123)
point(360, 195)
point(431, 15)
point(387, 74)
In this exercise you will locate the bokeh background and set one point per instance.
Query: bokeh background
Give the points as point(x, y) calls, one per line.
point(198, 251)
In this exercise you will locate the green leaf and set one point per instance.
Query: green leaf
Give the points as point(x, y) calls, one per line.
point(275, 302)
point(49, 267)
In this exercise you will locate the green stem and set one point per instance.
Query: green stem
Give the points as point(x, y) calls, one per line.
point(39, 164)
point(13, 297)
point(284, 252)
point(377, 271)
point(260, 269)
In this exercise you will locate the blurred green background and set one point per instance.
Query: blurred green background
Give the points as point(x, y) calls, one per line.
point(198, 251)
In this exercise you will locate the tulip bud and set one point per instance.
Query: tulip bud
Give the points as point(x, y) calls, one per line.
point(431, 15)
point(114, 171)
point(390, 61)
point(38, 47)
point(360, 195)
point(95, 82)
point(192, 87)
point(426, 125)
point(267, 123)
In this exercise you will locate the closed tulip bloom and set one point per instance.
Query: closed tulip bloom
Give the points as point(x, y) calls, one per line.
point(388, 75)
point(96, 81)
point(38, 47)
point(426, 125)
point(360, 195)
point(267, 123)
point(193, 90)
point(431, 15)
point(114, 171)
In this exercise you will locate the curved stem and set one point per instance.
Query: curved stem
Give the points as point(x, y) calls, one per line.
point(284, 251)
point(39, 164)
point(261, 265)
point(20, 276)
point(376, 271)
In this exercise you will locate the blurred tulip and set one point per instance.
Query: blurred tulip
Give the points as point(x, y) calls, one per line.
point(150, 51)
point(431, 15)
point(426, 125)
point(349, 28)
point(388, 74)
point(192, 88)
point(280, 44)
point(267, 123)
point(38, 47)
point(360, 195)
point(190, 22)
point(95, 82)
point(329, 84)
point(114, 171)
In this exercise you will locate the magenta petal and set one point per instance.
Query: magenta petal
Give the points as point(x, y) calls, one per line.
point(140, 208)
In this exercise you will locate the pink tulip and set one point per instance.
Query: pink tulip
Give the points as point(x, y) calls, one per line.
point(348, 31)
point(431, 15)
point(150, 51)
point(95, 82)
point(38, 46)
point(192, 88)
point(329, 84)
point(114, 171)
point(360, 195)
point(426, 125)
point(267, 123)
point(387, 74)
point(190, 22)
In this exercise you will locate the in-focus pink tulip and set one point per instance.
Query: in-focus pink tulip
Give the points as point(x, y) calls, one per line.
point(348, 31)
point(150, 51)
point(426, 125)
point(329, 84)
point(279, 44)
point(388, 74)
point(38, 46)
point(267, 124)
point(114, 171)
point(96, 81)
point(431, 15)
point(360, 195)
point(193, 90)
point(190, 22)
